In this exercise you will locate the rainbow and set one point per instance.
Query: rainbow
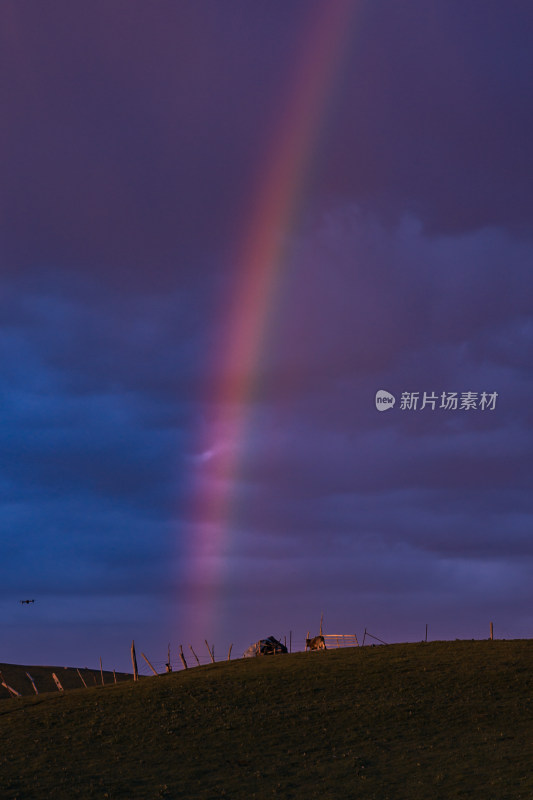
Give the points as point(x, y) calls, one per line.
point(259, 261)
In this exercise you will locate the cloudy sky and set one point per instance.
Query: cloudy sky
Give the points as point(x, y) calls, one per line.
point(224, 227)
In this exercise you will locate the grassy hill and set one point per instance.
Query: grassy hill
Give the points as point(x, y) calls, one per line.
point(439, 720)
point(69, 677)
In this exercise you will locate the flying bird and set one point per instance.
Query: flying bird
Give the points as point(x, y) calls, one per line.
point(26, 601)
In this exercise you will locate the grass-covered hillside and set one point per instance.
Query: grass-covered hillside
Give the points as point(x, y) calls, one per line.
point(18, 678)
point(441, 720)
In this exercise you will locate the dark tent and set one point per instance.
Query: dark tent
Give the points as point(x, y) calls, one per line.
point(265, 647)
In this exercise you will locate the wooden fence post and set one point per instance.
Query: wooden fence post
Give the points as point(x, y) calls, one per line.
point(114, 676)
point(194, 654)
point(211, 654)
point(151, 667)
point(229, 651)
point(182, 658)
point(32, 683)
point(375, 637)
point(81, 678)
point(58, 682)
point(491, 632)
point(101, 671)
point(134, 662)
point(12, 692)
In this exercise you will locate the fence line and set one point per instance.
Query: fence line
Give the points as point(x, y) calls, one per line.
point(157, 668)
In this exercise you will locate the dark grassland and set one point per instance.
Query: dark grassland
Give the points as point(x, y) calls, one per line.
point(15, 676)
point(434, 721)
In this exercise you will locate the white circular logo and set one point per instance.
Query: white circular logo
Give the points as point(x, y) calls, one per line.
point(384, 400)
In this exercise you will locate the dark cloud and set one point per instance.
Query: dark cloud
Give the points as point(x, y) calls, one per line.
point(134, 140)
point(431, 116)
point(132, 135)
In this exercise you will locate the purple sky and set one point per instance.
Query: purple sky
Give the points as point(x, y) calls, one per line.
point(133, 138)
